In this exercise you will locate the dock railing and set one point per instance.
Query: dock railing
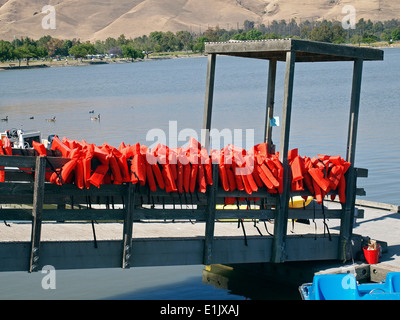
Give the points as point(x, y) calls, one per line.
point(129, 203)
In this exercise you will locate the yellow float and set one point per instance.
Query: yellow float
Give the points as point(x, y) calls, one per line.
point(298, 202)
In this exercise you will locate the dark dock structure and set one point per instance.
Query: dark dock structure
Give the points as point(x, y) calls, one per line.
point(26, 197)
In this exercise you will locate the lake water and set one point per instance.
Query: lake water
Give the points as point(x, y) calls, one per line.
point(134, 99)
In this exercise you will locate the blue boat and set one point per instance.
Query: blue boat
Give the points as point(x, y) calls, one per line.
point(345, 287)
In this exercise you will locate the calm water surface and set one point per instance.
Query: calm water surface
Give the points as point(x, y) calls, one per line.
point(133, 99)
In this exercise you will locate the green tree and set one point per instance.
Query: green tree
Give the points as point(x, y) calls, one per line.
point(163, 41)
point(143, 44)
point(41, 52)
point(248, 25)
point(254, 35)
point(184, 40)
point(169, 42)
point(322, 33)
point(27, 51)
point(82, 50)
point(369, 38)
point(356, 39)
point(338, 34)
point(156, 38)
point(100, 47)
point(43, 41)
point(6, 51)
point(129, 51)
point(52, 45)
point(64, 49)
point(305, 32)
point(110, 43)
point(214, 34)
point(395, 34)
point(122, 40)
point(240, 36)
point(199, 46)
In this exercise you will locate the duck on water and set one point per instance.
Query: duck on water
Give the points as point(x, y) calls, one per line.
point(95, 118)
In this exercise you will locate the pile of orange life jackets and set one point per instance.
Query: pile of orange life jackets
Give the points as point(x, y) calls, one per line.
point(170, 169)
point(190, 168)
point(320, 174)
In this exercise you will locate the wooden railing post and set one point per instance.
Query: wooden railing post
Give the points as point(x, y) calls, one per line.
point(38, 199)
point(210, 217)
point(128, 227)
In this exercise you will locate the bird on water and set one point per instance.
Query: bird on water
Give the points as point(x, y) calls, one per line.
point(95, 118)
point(51, 120)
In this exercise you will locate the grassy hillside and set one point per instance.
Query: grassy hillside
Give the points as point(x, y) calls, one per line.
point(100, 19)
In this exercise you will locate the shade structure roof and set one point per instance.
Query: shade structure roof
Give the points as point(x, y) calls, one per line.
point(306, 51)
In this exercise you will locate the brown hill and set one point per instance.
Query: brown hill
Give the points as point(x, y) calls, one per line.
point(99, 19)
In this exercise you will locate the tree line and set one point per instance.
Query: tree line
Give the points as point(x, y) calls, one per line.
point(365, 31)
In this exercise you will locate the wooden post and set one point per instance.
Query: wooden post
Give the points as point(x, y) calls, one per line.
point(281, 214)
point(128, 227)
point(38, 199)
point(205, 134)
point(347, 219)
point(210, 217)
point(270, 103)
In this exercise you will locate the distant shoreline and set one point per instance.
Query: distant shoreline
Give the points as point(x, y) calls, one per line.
point(77, 63)
point(161, 56)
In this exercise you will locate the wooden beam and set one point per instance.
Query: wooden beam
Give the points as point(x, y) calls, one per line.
point(309, 51)
point(210, 217)
point(336, 51)
point(64, 255)
point(38, 196)
point(29, 161)
point(205, 134)
point(281, 216)
point(128, 227)
point(270, 103)
point(347, 219)
point(99, 215)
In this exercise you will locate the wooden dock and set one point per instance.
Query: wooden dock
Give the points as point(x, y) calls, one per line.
point(132, 207)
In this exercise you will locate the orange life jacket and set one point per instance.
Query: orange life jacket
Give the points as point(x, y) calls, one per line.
point(2, 173)
point(206, 161)
point(88, 152)
point(40, 148)
point(79, 174)
point(57, 144)
point(202, 184)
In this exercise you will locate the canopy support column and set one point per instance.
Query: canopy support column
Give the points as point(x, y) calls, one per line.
point(347, 218)
point(270, 103)
point(205, 134)
point(281, 215)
